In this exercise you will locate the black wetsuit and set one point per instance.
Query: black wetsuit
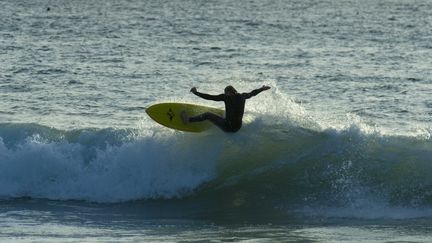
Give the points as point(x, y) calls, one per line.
point(234, 110)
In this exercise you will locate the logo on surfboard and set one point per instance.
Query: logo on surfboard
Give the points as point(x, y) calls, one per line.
point(170, 114)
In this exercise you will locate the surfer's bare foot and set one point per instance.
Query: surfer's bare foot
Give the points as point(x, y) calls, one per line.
point(184, 117)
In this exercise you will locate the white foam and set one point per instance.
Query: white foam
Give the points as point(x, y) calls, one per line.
point(157, 166)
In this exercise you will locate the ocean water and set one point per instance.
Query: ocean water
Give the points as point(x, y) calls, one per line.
point(339, 150)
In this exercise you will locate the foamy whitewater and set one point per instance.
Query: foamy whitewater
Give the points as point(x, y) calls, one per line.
point(338, 150)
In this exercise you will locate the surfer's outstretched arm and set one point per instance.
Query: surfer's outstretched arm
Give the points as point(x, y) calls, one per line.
point(207, 96)
point(255, 92)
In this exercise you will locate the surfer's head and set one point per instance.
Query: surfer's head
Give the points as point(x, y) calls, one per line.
point(230, 90)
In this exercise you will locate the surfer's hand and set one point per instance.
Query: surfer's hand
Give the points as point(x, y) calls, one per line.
point(265, 87)
point(193, 90)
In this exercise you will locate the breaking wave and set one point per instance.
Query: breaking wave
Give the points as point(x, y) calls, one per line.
point(280, 160)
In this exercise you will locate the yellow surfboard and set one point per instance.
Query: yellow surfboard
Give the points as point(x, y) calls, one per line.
point(169, 115)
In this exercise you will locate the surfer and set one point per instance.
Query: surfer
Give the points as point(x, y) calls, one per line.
point(234, 108)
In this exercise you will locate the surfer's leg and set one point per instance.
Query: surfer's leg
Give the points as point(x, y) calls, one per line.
point(184, 116)
point(206, 116)
point(215, 119)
